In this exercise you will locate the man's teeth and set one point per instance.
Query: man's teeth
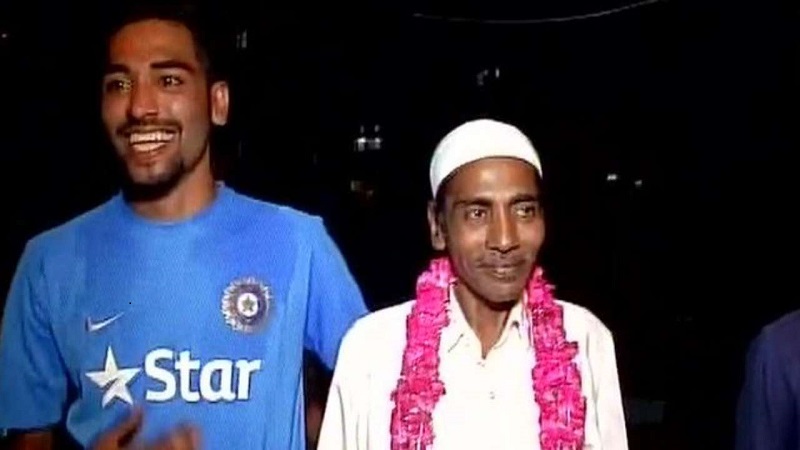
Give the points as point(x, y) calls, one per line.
point(154, 136)
point(148, 142)
point(147, 146)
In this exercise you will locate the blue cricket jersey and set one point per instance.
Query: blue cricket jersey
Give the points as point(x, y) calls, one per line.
point(201, 321)
point(768, 416)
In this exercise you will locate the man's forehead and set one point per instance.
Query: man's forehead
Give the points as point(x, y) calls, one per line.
point(150, 40)
point(504, 194)
point(501, 179)
point(494, 172)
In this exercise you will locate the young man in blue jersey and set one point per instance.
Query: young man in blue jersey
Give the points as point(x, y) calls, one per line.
point(178, 301)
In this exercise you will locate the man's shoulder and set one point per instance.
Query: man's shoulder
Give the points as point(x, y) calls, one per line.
point(580, 316)
point(386, 324)
point(781, 336)
point(787, 324)
point(584, 325)
point(65, 234)
point(274, 214)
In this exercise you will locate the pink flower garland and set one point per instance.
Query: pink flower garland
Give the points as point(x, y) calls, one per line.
point(555, 377)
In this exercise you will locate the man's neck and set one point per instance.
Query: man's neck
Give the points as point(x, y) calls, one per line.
point(189, 197)
point(487, 321)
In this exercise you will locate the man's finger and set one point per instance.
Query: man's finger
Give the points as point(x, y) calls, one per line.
point(194, 435)
point(185, 437)
point(130, 428)
point(122, 434)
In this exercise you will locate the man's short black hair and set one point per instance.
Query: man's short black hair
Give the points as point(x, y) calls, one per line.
point(211, 28)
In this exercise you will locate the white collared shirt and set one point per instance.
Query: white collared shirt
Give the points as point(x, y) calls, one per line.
point(488, 404)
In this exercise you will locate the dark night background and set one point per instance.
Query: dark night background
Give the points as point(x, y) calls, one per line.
point(695, 99)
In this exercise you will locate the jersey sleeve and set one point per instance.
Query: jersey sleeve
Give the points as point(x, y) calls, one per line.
point(766, 416)
point(33, 381)
point(335, 300)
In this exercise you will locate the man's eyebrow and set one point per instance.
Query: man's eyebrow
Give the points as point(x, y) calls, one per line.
point(473, 201)
point(116, 68)
point(487, 202)
point(173, 64)
point(160, 65)
point(521, 198)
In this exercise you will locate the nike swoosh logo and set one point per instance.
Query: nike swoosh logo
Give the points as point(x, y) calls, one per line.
point(97, 326)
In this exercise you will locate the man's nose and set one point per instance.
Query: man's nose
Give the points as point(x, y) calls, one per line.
point(143, 101)
point(502, 236)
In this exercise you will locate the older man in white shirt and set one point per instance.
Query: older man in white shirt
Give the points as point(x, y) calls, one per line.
point(484, 357)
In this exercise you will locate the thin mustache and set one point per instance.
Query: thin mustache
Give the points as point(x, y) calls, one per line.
point(493, 263)
point(129, 128)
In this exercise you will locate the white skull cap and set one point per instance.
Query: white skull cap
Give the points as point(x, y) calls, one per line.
point(479, 139)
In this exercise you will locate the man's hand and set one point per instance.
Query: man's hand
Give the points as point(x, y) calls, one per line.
point(40, 440)
point(185, 437)
point(124, 435)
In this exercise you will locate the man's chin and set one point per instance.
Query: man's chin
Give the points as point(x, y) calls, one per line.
point(141, 190)
point(504, 297)
point(503, 303)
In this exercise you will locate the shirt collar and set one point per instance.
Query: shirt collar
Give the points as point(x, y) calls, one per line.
point(458, 327)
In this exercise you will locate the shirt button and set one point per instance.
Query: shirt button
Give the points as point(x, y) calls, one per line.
point(491, 395)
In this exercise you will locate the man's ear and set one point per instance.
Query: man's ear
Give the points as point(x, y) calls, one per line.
point(436, 227)
point(220, 103)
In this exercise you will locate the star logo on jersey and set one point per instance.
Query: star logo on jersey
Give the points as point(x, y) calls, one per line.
point(114, 380)
point(245, 304)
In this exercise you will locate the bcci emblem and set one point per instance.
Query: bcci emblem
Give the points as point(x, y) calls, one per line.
point(245, 304)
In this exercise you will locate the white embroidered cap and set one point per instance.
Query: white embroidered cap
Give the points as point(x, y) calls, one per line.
point(478, 139)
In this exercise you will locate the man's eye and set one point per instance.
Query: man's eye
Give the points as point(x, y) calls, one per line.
point(527, 211)
point(476, 213)
point(118, 85)
point(171, 80)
